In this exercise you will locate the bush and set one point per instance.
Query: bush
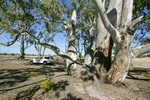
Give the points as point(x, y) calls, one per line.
point(54, 55)
point(48, 85)
point(146, 73)
point(66, 70)
point(32, 74)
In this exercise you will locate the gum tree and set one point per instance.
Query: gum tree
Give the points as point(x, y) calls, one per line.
point(118, 23)
point(114, 26)
point(15, 17)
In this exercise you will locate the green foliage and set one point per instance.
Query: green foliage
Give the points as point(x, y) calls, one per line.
point(141, 7)
point(3, 54)
point(146, 73)
point(12, 54)
point(145, 40)
point(17, 16)
point(54, 55)
point(16, 92)
point(53, 9)
point(130, 68)
point(32, 74)
point(48, 85)
point(66, 70)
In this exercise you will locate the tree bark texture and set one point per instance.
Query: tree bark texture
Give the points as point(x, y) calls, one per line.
point(72, 49)
point(104, 43)
point(22, 49)
point(122, 39)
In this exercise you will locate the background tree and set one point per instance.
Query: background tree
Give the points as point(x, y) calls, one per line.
point(15, 19)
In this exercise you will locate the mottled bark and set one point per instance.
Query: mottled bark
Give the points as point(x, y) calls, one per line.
point(71, 52)
point(72, 49)
point(104, 43)
point(122, 39)
point(89, 50)
point(122, 60)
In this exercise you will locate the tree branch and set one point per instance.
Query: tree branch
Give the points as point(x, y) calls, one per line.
point(113, 32)
point(52, 47)
point(140, 39)
point(136, 21)
point(12, 42)
point(140, 50)
point(63, 22)
point(2, 31)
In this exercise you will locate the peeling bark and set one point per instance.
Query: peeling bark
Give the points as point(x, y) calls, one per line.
point(104, 42)
point(122, 39)
point(121, 63)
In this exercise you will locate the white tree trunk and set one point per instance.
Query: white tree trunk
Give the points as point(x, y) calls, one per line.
point(72, 49)
point(122, 60)
point(121, 38)
point(71, 52)
point(104, 43)
point(22, 49)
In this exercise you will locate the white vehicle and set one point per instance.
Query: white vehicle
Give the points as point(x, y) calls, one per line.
point(43, 59)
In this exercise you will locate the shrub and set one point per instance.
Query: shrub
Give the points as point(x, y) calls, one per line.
point(48, 85)
point(54, 55)
point(66, 70)
point(146, 73)
point(12, 54)
point(32, 74)
point(4, 54)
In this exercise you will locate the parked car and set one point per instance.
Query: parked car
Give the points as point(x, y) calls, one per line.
point(43, 59)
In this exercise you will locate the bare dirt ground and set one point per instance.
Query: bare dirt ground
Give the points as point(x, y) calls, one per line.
point(17, 84)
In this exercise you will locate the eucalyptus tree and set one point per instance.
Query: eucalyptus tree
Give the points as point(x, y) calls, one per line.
point(55, 11)
point(15, 19)
point(114, 26)
point(118, 23)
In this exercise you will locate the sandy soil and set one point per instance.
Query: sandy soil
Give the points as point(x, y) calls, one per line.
point(17, 84)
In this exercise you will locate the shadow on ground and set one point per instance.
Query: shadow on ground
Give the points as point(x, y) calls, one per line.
point(71, 97)
point(60, 86)
point(10, 77)
point(137, 74)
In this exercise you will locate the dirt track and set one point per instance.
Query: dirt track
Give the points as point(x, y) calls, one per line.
point(16, 84)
